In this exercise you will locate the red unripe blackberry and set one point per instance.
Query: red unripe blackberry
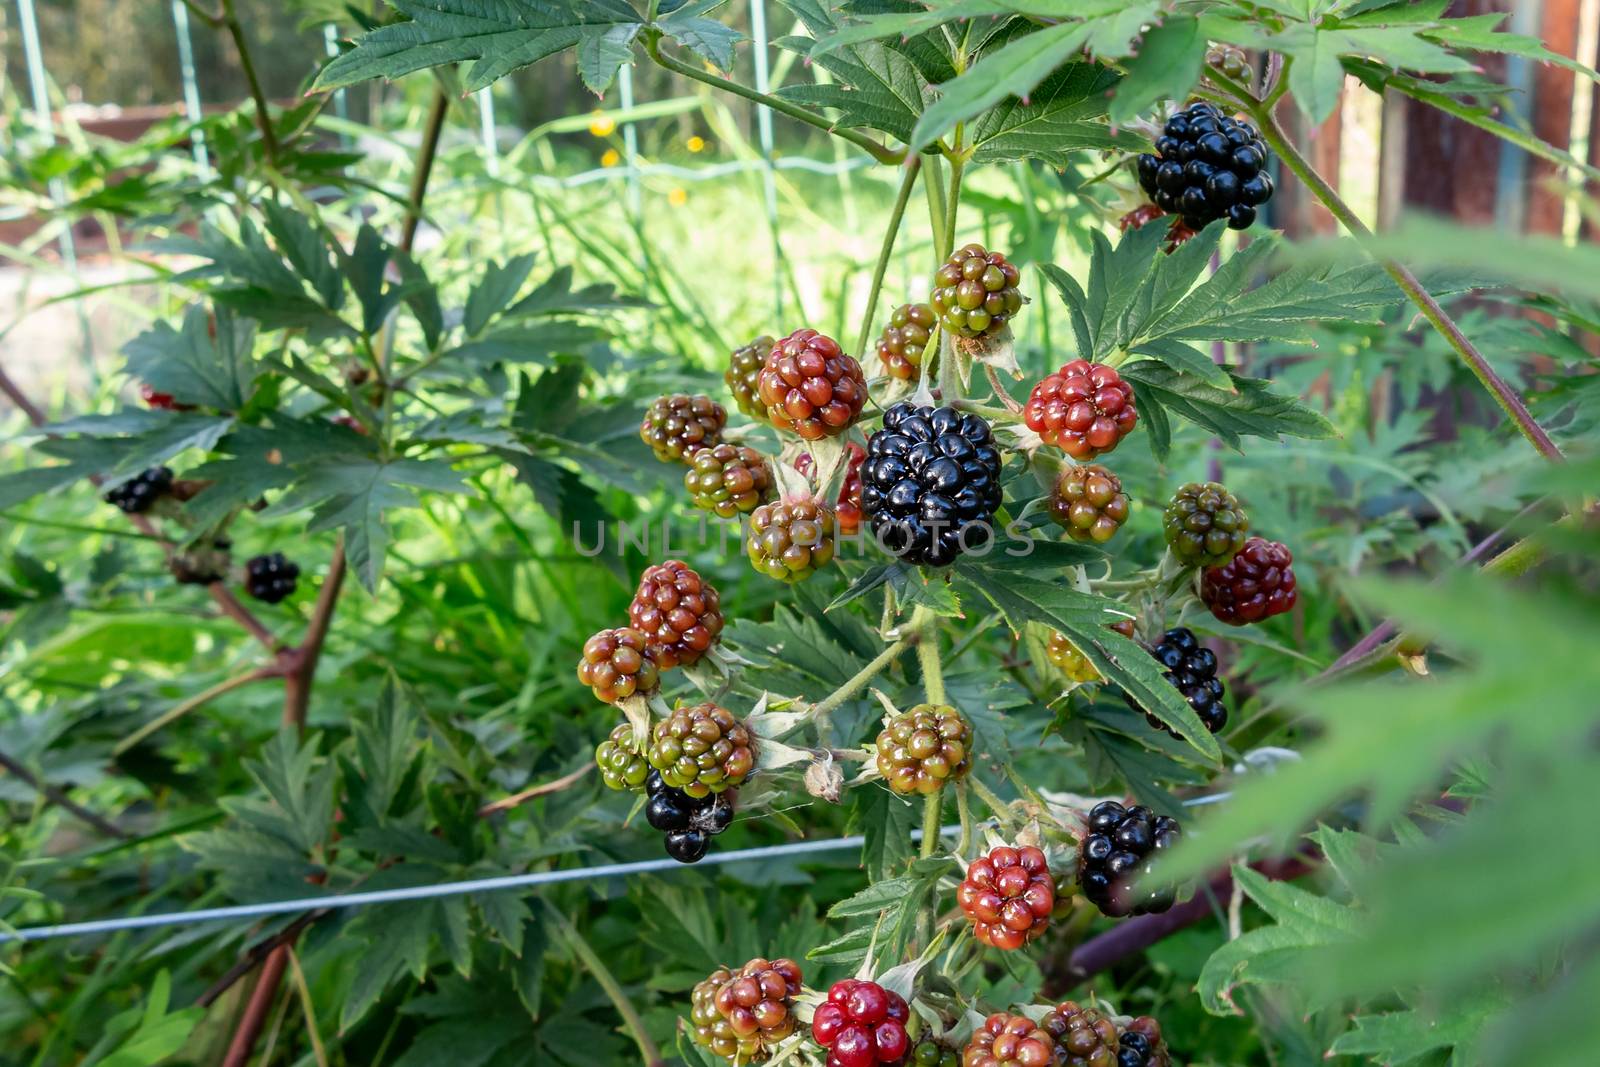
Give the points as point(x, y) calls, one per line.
point(710, 1030)
point(1204, 524)
point(1255, 584)
point(1084, 408)
point(678, 612)
point(790, 539)
point(923, 748)
point(702, 749)
point(847, 510)
point(1084, 1036)
point(271, 578)
point(1007, 1040)
point(811, 387)
point(728, 479)
point(758, 1001)
point(861, 1024)
point(622, 765)
point(616, 664)
point(161, 401)
point(1208, 166)
point(1088, 502)
point(975, 292)
point(136, 495)
point(1073, 663)
point(1119, 847)
point(905, 338)
point(676, 426)
point(1008, 895)
point(743, 376)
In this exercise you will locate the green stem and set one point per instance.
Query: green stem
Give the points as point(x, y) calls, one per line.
point(913, 167)
point(999, 808)
point(652, 45)
point(934, 187)
point(1508, 399)
point(932, 668)
point(932, 806)
point(953, 203)
point(964, 810)
point(179, 710)
point(830, 703)
point(608, 982)
point(269, 137)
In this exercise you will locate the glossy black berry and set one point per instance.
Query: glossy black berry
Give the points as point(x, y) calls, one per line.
point(931, 483)
point(271, 577)
point(688, 846)
point(1116, 855)
point(1207, 166)
point(668, 810)
point(1193, 669)
point(137, 494)
point(714, 814)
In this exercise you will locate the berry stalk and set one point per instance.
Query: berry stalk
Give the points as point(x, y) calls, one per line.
point(908, 181)
point(830, 703)
point(648, 1052)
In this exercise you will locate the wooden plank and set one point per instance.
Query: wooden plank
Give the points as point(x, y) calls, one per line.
point(1294, 209)
point(1554, 91)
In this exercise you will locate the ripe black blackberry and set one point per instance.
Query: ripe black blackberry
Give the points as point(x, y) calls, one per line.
point(1208, 166)
point(931, 483)
point(689, 823)
point(271, 577)
point(1116, 855)
point(137, 494)
point(1193, 669)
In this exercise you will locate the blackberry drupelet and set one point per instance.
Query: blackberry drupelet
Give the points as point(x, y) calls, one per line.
point(1088, 502)
point(975, 292)
point(677, 426)
point(811, 386)
point(1207, 166)
point(1255, 584)
point(271, 577)
point(929, 1053)
point(1117, 852)
point(1193, 669)
point(743, 376)
point(901, 345)
point(137, 494)
point(1085, 409)
point(1204, 524)
point(931, 483)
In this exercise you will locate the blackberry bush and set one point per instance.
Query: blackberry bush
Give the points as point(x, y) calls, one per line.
point(931, 483)
point(975, 292)
point(1008, 894)
point(922, 749)
point(1084, 408)
point(1088, 502)
point(743, 376)
point(677, 426)
point(271, 578)
point(1207, 166)
point(811, 387)
point(678, 612)
point(1114, 859)
point(1254, 585)
point(789, 540)
point(1204, 524)
point(728, 479)
point(901, 345)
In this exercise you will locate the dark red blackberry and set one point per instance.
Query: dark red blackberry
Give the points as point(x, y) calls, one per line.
point(271, 577)
point(861, 1024)
point(678, 612)
point(1254, 585)
point(811, 386)
point(1208, 166)
point(137, 494)
point(1193, 669)
point(1116, 855)
point(931, 483)
point(616, 664)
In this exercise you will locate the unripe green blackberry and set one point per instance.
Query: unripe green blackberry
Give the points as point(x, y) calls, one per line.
point(1088, 502)
point(702, 749)
point(676, 426)
point(622, 765)
point(616, 664)
point(975, 292)
point(1073, 663)
point(790, 539)
point(1204, 525)
point(922, 749)
point(744, 370)
point(901, 345)
point(728, 479)
point(929, 1053)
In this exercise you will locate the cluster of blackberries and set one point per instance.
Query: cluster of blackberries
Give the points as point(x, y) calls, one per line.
point(931, 483)
point(1117, 854)
point(271, 578)
point(1209, 166)
point(1193, 669)
point(688, 822)
point(136, 495)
